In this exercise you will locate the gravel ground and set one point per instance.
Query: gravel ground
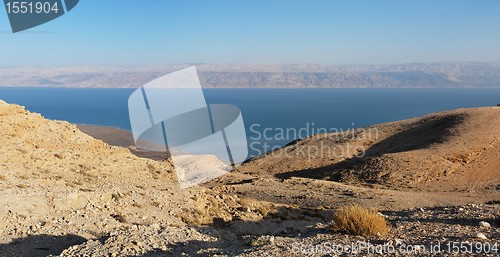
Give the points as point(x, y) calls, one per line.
point(445, 231)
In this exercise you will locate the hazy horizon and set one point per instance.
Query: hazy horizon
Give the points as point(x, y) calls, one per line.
point(255, 64)
point(426, 75)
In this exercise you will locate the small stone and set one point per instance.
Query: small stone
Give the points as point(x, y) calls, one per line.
point(382, 215)
point(484, 224)
point(481, 236)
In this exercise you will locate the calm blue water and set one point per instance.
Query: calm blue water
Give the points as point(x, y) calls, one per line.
point(270, 108)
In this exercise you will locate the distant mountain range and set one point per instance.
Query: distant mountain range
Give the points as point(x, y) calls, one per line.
point(431, 75)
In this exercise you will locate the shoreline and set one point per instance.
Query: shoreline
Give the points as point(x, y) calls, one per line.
point(118, 137)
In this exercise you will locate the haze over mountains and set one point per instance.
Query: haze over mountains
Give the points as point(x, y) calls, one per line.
point(432, 75)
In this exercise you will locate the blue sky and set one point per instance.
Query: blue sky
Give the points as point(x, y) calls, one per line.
point(144, 32)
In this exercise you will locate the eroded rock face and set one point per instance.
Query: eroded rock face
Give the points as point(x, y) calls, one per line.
point(56, 179)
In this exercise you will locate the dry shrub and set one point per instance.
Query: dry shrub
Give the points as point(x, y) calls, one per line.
point(204, 209)
point(357, 220)
point(263, 208)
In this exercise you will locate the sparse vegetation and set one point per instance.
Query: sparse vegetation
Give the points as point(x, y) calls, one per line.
point(201, 213)
point(264, 209)
point(260, 241)
point(361, 221)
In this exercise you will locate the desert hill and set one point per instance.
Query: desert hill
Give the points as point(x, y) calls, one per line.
point(50, 166)
point(454, 150)
point(443, 158)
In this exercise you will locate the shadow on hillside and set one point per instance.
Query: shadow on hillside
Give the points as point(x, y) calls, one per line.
point(39, 245)
point(422, 135)
point(237, 236)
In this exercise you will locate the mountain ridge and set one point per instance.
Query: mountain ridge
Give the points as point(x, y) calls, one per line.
point(420, 75)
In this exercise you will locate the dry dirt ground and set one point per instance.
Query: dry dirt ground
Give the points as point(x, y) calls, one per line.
point(435, 178)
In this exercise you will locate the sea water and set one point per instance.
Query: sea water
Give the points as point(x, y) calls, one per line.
point(272, 117)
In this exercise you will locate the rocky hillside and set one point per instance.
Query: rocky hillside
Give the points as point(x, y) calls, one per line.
point(61, 187)
point(450, 151)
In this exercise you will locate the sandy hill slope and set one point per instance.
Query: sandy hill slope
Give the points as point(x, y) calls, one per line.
point(49, 168)
point(449, 151)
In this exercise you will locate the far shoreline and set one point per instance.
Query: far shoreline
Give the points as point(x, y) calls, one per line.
point(118, 137)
